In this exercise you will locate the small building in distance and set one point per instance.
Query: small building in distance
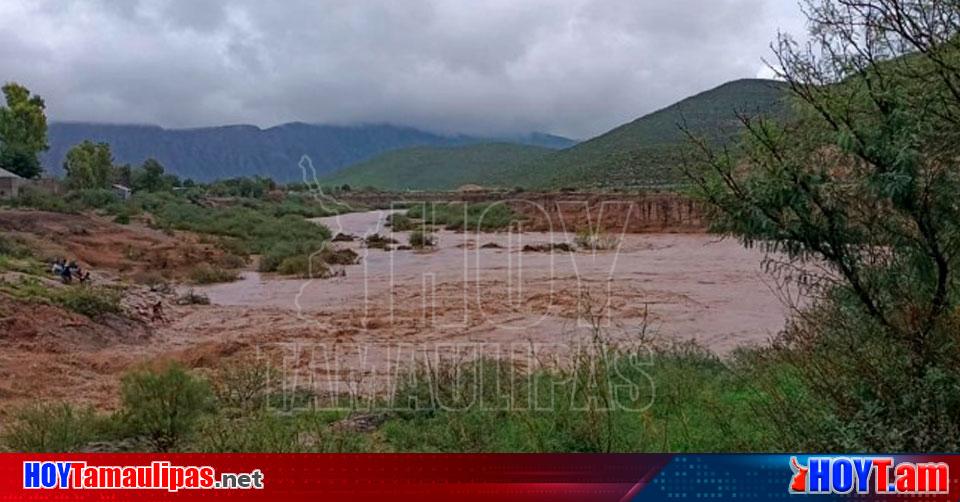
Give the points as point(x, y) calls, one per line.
point(9, 184)
point(122, 192)
point(470, 188)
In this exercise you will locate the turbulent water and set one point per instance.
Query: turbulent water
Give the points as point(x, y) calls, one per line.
point(686, 286)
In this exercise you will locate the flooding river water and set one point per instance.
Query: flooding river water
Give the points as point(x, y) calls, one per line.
point(680, 286)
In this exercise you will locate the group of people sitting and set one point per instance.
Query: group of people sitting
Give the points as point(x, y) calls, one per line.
point(68, 271)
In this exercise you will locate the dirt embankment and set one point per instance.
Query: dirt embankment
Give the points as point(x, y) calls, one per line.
point(652, 212)
point(615, 213)
point(50, 353)
point(104, 246)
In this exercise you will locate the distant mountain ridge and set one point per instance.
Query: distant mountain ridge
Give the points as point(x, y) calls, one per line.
point(643, 153)
point(437, 167)
point(210, 153)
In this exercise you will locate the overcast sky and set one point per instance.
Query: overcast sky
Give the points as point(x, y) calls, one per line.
point(571, 67)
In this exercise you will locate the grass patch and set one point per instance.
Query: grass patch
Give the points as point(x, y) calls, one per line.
point(683, 400)
point(89, 301)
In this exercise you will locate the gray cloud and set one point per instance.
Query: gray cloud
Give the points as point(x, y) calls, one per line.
point(574, 67)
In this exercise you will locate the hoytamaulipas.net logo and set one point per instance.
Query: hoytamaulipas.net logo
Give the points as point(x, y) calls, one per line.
point(868, 475)
point(159, 475)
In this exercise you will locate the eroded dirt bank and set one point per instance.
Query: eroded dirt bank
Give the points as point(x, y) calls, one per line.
point(659, 212)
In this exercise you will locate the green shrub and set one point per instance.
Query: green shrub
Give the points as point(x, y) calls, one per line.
point(249, 226)
point(333, 256)
point(209, 274)
point(54, 428)
point(89, 301)
point(244, 385)
point(270, 261)
point(22, 265)
point(164, 406)
point(34, 198)
point(17, 256)
point(14, 248)
point(311, 432)
point(835, 381)
point(93, 198)
point(305, 265)
point(420, 239)
point(400, 222)
point(377, 241)
point(193, 298)
point(595, 240)
point(232, 261)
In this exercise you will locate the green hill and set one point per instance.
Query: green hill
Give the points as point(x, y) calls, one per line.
point(646, 152)
point(439, 168)
point(643, 153)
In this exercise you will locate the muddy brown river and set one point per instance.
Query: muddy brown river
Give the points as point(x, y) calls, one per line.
point(676, 286)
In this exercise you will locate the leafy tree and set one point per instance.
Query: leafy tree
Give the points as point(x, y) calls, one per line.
point(122, 175)
point(859, 193)
point(150, 177)
point(23, 131)
point(89, 165)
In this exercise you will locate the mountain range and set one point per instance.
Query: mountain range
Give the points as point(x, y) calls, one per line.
point(210, 153)
point(643, 153)
point(646, 152)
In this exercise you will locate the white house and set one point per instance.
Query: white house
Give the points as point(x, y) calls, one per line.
point(121, 191)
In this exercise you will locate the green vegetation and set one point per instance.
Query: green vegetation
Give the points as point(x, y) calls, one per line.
point(307, 266)
point(164, 406)
point(420, 239)
point(16, 256)
point(89, 301)
point(861, 183)
point(595, 240)
point(677, 399)
point(438, 168)
point(55, 428)
point(464, 216)
point(274, 227)
point(276, 231)
point(400, 222)
point(648, 152)
point(89, 166)
point(205, 273)
point(23, 131)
